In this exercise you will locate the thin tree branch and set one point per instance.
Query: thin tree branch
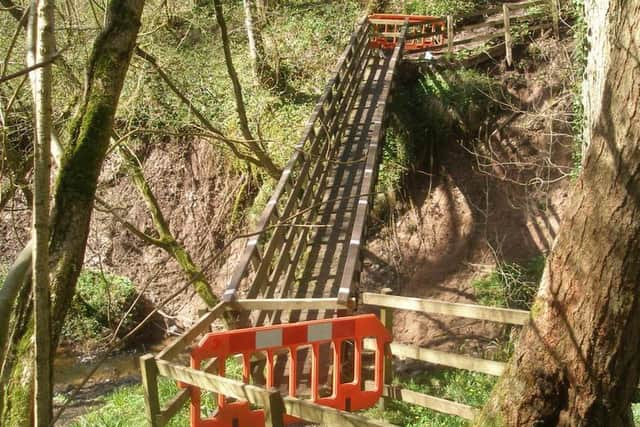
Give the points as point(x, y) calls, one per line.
point(29, 69)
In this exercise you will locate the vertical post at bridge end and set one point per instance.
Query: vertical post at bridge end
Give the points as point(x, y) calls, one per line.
point(386, 318)
point(507, 35)
point(450, 34)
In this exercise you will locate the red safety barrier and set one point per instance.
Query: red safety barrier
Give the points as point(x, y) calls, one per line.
point(349, 396)
point(425, 32)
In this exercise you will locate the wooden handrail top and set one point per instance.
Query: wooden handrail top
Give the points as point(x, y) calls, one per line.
point(471, 311)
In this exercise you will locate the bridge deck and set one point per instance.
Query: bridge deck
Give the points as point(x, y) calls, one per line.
point(321, 272)
point(308, 239)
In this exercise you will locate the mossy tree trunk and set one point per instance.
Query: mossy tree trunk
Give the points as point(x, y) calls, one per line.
point(165, 239)
point(74, 194)
point(577, 361)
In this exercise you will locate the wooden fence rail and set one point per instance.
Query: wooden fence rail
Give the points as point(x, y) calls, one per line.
point(388, 303)
point(532, 19)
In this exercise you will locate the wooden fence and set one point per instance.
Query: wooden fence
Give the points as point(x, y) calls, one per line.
point(388, 303)
point(517, 20)
point(166, 363)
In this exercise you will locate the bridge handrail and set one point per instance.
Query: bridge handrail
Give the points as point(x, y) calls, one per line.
point(351, 271)
point(321, 129)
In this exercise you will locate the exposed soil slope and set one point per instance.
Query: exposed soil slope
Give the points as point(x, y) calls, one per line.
point(496, 198)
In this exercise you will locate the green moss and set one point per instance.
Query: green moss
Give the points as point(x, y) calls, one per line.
point(536, 309)
point(17, 408)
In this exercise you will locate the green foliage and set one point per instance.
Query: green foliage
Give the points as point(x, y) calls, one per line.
point(511, 285)
point(441, 7)
point(433, 109)
point(302, 43)
point(100, 302)
point(463, 92)
point(635, 408)
point(454, 384)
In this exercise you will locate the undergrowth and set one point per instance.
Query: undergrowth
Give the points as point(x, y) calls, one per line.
point(436, 108)
point(510, 285)
point(98, 306)
point(442, 7)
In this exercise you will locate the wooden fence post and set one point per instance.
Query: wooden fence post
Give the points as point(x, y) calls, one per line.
point(555, 15)
point(507, 35)
point(274, 412)
point(386, 317)
point(450, 33)
point(149, 373)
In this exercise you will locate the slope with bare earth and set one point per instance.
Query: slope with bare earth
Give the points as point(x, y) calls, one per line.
point(494, 197)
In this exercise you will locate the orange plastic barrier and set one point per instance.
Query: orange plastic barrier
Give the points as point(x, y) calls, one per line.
point(385, 26)
point(348, 396)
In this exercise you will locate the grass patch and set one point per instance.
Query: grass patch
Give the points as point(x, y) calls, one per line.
point(100, 302)
point(635, 408)
point(511, 285)
point(125, 406)
point(454, 384)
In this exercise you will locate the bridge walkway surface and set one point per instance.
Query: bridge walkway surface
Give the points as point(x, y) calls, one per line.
point(307, 241)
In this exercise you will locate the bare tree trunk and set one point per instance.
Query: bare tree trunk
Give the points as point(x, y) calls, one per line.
point(267, 163)
point(577, 361)
point(75, 189)
point(45, 48)
point(256, 43)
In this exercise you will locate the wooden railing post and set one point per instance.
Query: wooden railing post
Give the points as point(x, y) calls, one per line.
point(450, 33)
point(149, 372)
point(555, 15)
point(386, 317)
point(507, 35)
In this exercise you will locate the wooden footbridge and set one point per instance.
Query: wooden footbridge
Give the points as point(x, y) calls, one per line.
point(304, 258)
point(307, 241)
